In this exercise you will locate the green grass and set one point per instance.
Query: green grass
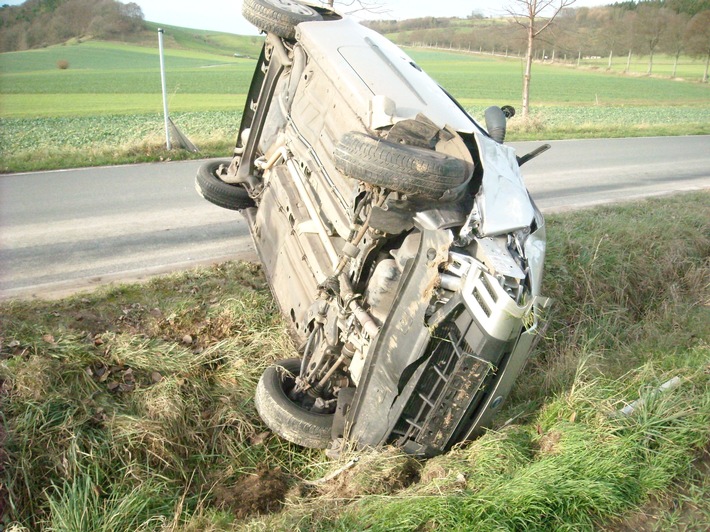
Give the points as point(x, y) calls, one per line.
point(52, 106)
point(688, 68)
point(106, 108)
point(131, 408)
point(99, 56)
point(686, 507)
point(110, 68)
point(75, 84)
point(114, 418)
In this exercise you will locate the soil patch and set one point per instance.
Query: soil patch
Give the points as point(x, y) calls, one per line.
point(378, 473)
point(258, 494)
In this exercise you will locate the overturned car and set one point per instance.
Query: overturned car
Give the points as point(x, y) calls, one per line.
point(395, 232)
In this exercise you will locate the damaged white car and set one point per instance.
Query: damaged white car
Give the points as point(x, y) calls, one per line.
point(396, 234)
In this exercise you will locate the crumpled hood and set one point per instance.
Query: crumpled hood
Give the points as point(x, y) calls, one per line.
point(503, 201)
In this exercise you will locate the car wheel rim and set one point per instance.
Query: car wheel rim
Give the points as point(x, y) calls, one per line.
point(293, 7)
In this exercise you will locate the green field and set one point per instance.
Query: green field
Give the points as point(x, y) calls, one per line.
point(112, 86)
point(488, 79)
point(690, 69)
point(107, 106)
point(99, 68)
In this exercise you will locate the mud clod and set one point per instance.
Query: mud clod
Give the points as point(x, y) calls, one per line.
point(378, 473)
point(258, 494)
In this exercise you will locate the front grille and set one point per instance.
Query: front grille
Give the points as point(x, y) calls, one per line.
point(445, 391)
point(481, 302)
point(485, 280)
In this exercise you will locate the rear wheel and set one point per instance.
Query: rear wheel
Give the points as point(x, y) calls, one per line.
point(288, 419)
point(279, 17)
point(209, 185)
point(399, 167)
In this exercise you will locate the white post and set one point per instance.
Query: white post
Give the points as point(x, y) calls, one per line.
point(165, 91)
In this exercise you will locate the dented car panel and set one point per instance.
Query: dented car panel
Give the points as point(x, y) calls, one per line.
point(380, 82)
point(397, 236)
point(503, 201)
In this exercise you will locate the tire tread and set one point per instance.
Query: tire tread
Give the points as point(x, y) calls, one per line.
point(286, 418)
point(406, 169)
point(269, 19)
point(216, 191)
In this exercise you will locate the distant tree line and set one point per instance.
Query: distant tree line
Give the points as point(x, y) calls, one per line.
point(38, 23)
point(394, 26)
point(642, 28)
point(689, 7)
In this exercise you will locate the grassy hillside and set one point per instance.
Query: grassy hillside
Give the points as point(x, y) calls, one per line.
point(210, 42)
point(110, 68)
point(132, 408)
point(37, 24)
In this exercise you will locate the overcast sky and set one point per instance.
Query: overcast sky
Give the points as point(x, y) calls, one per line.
point(225, 15)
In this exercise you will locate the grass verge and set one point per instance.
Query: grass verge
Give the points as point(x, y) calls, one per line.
point(131, 408)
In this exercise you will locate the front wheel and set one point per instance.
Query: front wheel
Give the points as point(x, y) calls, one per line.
point(279, 17)
point(288, 419)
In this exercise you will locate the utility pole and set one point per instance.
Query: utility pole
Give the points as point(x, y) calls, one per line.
point(165, 91)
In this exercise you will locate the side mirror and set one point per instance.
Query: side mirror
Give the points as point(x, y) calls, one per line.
point(508, 111)
point(495, 121)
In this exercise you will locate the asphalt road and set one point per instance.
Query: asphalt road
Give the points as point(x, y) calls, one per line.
point(582, 173)
point(65, 230)
point(62, 231)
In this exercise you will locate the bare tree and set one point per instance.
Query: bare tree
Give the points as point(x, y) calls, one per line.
point(698, 39)
point(651, 25)
point(529, 15)
point(614, 32)
point(373, 6)
point(673, 40)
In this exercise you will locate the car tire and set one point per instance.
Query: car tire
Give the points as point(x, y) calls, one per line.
point(213, 189)
point(411, 170)
point(279, 17)
point(286, 418)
